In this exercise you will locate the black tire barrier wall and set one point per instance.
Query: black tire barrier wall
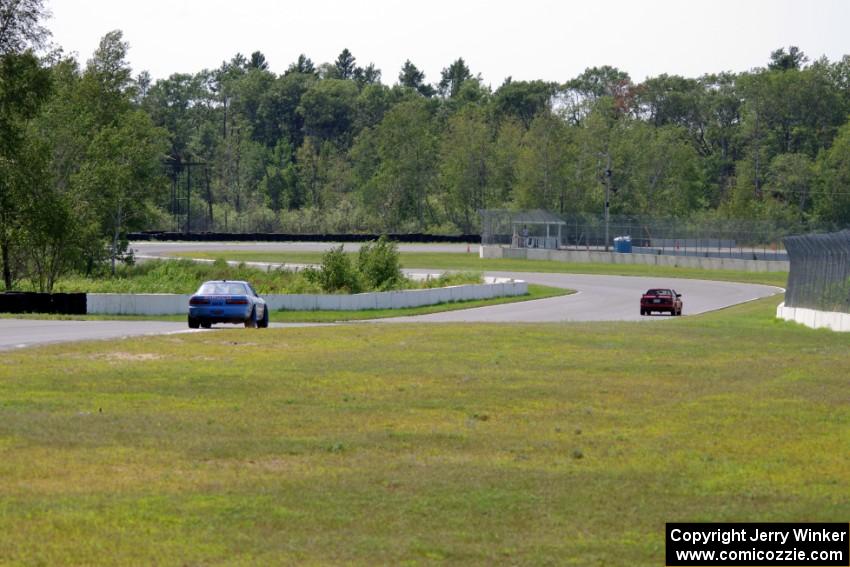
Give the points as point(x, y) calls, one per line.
point(30, 302)
point(280, 237)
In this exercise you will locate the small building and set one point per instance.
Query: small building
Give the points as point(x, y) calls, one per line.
point(525, 229)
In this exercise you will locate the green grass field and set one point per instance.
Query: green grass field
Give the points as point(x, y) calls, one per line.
point(418, 444)
point(455, 261)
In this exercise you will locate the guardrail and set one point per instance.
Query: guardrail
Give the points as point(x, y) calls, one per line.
point(175, 304)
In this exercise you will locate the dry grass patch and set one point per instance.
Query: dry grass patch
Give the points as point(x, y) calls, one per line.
point(131, 357)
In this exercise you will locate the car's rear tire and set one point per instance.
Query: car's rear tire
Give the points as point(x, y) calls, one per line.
point(264, 322)
point(194, 323)
point(251, 321)
point(206, 325)
point(642, 312)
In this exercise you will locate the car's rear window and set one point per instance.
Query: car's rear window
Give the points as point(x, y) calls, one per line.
point(222, 288)
point(659, 292)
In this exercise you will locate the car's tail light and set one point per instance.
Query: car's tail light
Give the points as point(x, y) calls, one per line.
point(237, 301)
point(199, 301)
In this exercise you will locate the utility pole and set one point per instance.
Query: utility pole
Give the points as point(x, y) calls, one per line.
point(189, 198)
point(173, 201)
point(172, 166)
point(175, 167)
point(209, 198)
point(607, 179)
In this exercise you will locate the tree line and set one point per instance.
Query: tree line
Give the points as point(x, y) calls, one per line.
point(90, 152)
point(332, 148)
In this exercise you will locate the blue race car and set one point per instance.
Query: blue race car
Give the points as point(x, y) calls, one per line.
point(227, 302)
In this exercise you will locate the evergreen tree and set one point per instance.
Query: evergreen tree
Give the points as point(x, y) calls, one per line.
point(345, 65)
point(413, 78)
point(453, 77)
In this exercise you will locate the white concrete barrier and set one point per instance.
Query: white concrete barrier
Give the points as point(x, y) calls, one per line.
point(815, 319)
point(136, 303)
point(174, 304)
point(602, 257)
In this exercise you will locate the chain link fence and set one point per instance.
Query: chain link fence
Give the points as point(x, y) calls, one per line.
point(717, 238)
point(819, 276)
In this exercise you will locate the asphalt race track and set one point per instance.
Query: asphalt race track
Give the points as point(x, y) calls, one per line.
point(598, 298)
point(21, 333)
point(601, 298)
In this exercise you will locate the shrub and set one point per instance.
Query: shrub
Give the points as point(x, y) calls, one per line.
point(452, 278)
point(378, 263)
point(336, 273)
point(184, 276)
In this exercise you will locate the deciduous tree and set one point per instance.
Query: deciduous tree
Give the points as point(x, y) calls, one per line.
point(24, 85)
point(466, 152)
point(21, 25)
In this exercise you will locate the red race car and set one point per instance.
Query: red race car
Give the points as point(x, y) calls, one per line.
point(661, 300)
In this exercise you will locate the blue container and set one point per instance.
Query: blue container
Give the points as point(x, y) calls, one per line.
point(623, 244)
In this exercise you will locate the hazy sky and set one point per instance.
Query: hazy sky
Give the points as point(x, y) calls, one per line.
point(526, 39)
